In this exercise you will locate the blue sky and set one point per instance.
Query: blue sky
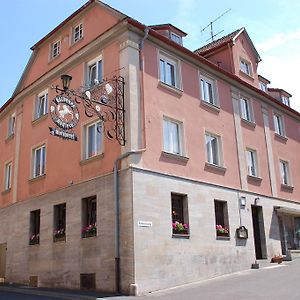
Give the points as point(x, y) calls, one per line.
point(273, 26)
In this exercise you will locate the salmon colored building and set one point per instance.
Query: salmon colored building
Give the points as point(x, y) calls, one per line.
point(199, 179)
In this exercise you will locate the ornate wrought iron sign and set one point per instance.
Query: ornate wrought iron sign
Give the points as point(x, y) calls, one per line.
point(105, 100)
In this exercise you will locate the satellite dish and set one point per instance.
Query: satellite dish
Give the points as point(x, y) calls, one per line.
point(108, 88)
point(88, 94)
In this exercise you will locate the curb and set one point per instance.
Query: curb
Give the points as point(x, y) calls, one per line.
point(34, 291)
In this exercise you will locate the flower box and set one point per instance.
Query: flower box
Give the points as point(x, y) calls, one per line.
point(180, 228)
point(59, 235)
point(34, 239)
point(89, 231)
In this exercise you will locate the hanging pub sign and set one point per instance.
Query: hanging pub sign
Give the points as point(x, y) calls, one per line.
point(65, 115)
point(103, 99)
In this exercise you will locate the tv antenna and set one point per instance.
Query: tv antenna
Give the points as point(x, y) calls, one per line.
point(212, 35)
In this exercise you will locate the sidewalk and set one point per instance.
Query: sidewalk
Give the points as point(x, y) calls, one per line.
point(56, 293)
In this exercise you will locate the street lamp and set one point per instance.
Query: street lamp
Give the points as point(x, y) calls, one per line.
point(66, 79)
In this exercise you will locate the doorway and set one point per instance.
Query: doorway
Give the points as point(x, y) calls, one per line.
point(259, 232)
point(3, 249)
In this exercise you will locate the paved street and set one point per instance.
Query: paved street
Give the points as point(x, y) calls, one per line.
point(275, 282)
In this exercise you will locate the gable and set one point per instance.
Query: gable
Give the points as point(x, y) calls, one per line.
point(95, 18)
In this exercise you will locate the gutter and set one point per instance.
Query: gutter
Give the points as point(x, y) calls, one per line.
point(117, 216)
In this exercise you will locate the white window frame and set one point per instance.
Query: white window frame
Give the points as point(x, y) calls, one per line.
point(245, 67)
point(285, 100)
point(172, 144)
point(99, 73)
point(278, 124)
point(11, 125)
point(41, 105)
point(175, 38)
point(213, 157)
point(55, 49)
point(163, 76)
point(263, 86)
point(7, 176)
point(39, 163)
point(78, 28)
point(252, 164)
point(246, 109)
point(206, 96)
point(285, 175)
point(97, 143)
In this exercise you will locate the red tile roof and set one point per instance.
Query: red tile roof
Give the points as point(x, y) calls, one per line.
point(218, 43)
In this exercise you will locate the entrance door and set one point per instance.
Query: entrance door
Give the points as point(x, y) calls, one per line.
point(259, 232)
point(3, 249)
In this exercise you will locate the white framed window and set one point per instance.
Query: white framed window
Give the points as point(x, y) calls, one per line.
point(11, 124)
point(39, 161)
point(278, 124)
point(55, 49)
point(176, 38)
point(245, 67)
point(77, 33)
point(7, 176)
point(251, 157)
point(246, 109)
point(285, 172)
point(93, 139)
point(213, 149)
point(94, 72)
point(169, 71)
point(208, 90)
point(285, 100)
point(172, 133)
point(263, 86)
point(41, 105)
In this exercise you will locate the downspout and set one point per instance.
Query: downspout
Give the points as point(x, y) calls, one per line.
point(142, 96)
point(117, 216)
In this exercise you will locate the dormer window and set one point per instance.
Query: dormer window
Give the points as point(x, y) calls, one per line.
point(55, 49)
point(176, 38)
point(245, 67)
point(263, 87)
point(285, 100)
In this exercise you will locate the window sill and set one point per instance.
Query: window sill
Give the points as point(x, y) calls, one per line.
point(40, 119)
point(41, 177)
point(9, 138)
point(5, 192)
point(59, 240)
point(171, 88)
point(223, 238)
point(286, 187)
point(215, 167)
point(248, 123)
point(51, 59)
point(88, 237)
point(246, 75)
point(90, 159)
point(280, 138)
point(180, 236)
point(254, 178)
point(210, 106)
point(73, 44)
point(175, 156)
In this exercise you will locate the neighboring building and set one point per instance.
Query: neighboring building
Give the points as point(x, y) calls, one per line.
point(216, 153)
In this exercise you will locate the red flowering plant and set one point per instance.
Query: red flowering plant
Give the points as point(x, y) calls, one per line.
point(223, 231)
point(34, 239)
point(89, 230)
point(59, 234)
point(180, 228)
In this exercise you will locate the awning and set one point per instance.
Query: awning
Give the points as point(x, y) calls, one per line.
point(281, 210)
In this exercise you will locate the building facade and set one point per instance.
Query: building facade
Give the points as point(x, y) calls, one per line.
point(207, 180)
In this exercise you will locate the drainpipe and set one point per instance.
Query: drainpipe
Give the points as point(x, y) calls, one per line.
point(141, 57)
point(117, 216)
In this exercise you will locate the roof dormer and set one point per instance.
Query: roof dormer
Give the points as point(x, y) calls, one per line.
point(170, 31)
point(280, 95)
point(263, 83)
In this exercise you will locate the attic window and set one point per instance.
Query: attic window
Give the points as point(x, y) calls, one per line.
point(176, 38)
point(285, 100)
point(245, 67)
point(263, 86)
point(55, 49)
point(77, 33)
